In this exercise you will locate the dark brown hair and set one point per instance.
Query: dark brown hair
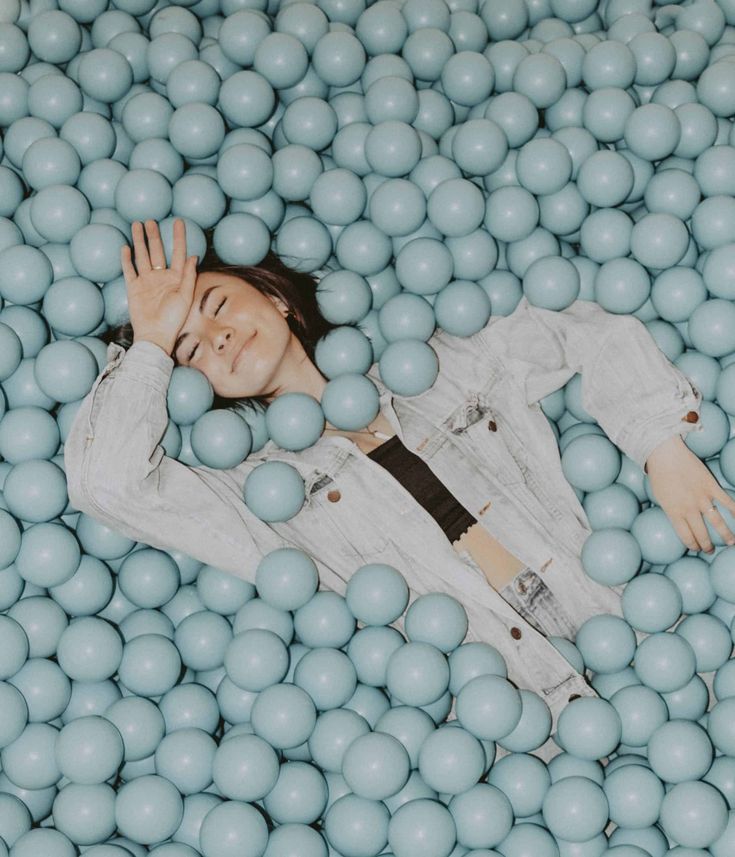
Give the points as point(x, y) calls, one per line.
point(270, 277)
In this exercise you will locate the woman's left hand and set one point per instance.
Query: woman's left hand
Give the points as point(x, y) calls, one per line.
point(686, 490)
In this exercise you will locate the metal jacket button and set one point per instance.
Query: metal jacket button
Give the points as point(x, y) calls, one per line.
point(515, 633)
point(492, 425)
point(334, 496)
point(692, 417)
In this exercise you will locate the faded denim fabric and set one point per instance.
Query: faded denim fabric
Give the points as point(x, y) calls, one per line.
point(481, 430)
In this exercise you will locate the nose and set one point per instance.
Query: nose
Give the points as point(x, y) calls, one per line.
point(223, 340)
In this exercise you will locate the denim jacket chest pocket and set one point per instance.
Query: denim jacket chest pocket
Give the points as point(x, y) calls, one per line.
point(349, 515)
point(478, 431)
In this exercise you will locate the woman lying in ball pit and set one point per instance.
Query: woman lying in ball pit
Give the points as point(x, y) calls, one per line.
point(476, 449)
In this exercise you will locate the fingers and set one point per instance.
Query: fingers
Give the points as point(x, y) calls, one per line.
point(155, 245)
point(142, 261)
point(129, 272)
point(698, 528)
point(189, 276)
point(682, 529)
point(178, 255)
point(715, 519)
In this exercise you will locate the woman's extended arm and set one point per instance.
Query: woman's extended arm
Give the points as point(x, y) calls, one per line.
point(644, 403)
point(117, 471)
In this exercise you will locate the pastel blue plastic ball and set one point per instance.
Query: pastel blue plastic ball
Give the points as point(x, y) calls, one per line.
point(664, 662)
point(451, 760)
point(233, 825)
point(551, 282)
point(634, 794)
point(283, 715)
point(417, 674)
point(422, 827)
point(95, 252)
point(274, 491)
point(438, 619)
point(221, 439)
point(350, 401)
point(424, 266)
point(606, 643)
point(641, 711)
point(694, 814)
point(483, 817)
point(65, 370)
point(89, 750)
point(355, 824)
point(651, 603)
point(338, 196)
point(408, 367)
point(376, 594)
point(462, 308)
point(489, 707)
point(375, 766)
point(245, 768)
point(286, 578)
point(656, 536)
point(575, 809)
point(327, 675)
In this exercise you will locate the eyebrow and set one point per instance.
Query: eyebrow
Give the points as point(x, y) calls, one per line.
point(202, 303)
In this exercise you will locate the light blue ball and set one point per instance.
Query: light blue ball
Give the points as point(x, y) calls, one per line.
point(397, 207)
point(651, 603)
point(451, 760)
point(591, 462)
point(424, 266)
point(634, 794)
point(65, 370)
point(392, 148)
point(376, 594)
point(333, 733)
point(483, 817)
point(221, 439)
point(89, 750)
point(422, 827)
point(58, 212)
point(375, 766)
point(641, 711)
point(184, 758)
point(286, 578)
point(304, 243)
point(656, 537)
point(417, 674)
point(622, 285)
point(489, 707)
point(327, 675)
point(274, 491)
point(283, 715)
point(233, 825)
point(456, 207)
point(148, 577)
point(406, 316)
point(246, 768)
point(462, 308)
point(694, 814)
point(664, 662)
point(298, 797)
point(104, 74)
point(28, 761)
point(256, 659)
point(350, 401)
point(15, 710)
point(241, 239)
point(408, 367)
point(709, 328)
point(46, 841)
point(355, 824)
point(719, 726)
point(551, 282)
point(95, 252)
point(294, 421)
point(575, 809)
point(202, 639)
point(338, 196)
point(26, 274)
point(606, 643)
point(370, 650)
point(73, 306)
point(35, 491)
point(710, 638)
point(437, 619)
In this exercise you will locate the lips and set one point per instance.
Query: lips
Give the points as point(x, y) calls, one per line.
point(242, 350)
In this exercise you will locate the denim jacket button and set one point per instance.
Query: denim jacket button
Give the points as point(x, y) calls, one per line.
point(692, 417)
point(334, 496)
point(492, 425)
point(516, 633)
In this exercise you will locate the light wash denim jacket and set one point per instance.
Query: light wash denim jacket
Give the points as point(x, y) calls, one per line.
point(480, 429)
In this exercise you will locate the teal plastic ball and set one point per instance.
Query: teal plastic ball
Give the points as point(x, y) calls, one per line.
point(274, 491)
point(575, 809)
point(656, 537)
point(417, 674)
point(233, 825)
point(245, 768)
point(354, 824)
point(651, 603)
point(283, 715)
point(694, 814)
point(664, 662)
point(408, 367)
point(375, 766)
point(589, 728)
point(489, 707)
point(328, 676)
point(641, 710)
point(483, 817)
point(451, 760)
point(422, 827)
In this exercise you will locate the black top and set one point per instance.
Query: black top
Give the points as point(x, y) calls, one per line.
point(417, 478)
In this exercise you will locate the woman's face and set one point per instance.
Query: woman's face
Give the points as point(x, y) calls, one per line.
point(235, 335)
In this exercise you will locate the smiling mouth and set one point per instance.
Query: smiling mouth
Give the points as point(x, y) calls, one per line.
point(242, 350)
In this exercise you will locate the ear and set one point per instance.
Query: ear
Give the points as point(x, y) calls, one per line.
point(280, 305)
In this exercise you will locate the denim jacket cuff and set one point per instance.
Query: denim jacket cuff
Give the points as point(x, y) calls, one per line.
point(143, 360)
point(640, 440)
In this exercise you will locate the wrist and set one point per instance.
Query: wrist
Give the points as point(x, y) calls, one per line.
point(664, 448)
point(160, 340)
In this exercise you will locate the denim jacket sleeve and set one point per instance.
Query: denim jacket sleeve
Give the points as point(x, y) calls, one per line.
point(117, 471)
point(636, 395)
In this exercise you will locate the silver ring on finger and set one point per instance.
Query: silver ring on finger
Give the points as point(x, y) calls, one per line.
point(712, 509)
point(161, 267)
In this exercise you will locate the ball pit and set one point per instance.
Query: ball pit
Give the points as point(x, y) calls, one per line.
point(432, 162)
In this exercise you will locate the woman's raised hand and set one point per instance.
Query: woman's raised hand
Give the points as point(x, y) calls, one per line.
point(159, 297)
